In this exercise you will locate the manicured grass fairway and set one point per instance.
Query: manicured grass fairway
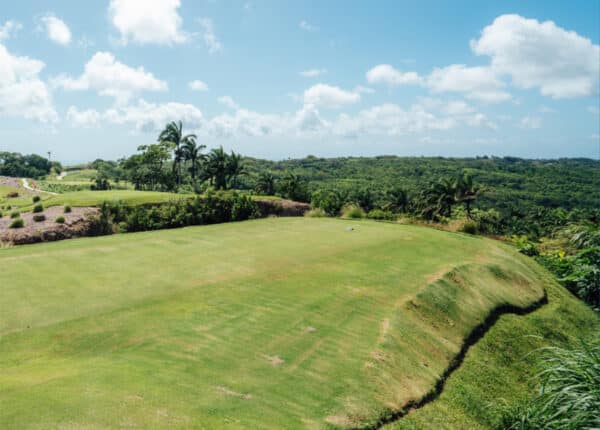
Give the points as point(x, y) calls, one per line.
point(274, 323)
point(95, 198)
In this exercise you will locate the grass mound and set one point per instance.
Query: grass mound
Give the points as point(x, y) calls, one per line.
point(291, 322)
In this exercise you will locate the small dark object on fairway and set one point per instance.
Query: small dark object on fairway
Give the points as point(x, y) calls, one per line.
point(349, 228)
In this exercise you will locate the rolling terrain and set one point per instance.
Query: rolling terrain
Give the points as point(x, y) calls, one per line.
point(273, 323)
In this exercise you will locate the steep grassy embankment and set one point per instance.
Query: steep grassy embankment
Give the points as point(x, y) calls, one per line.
point(275, 323)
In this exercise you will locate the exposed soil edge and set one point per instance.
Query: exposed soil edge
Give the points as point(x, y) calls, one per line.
point(476, 334)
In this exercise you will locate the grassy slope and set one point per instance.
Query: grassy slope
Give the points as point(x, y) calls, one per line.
point(500, 367)
point(271, 323)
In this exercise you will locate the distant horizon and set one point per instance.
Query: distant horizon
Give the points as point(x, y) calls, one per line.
point(275, 80)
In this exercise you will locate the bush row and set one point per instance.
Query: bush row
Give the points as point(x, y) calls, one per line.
point(215, 207)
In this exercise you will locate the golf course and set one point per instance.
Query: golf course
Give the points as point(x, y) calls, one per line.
point(273, 323)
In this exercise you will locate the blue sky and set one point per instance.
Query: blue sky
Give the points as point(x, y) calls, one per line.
point(286, 79)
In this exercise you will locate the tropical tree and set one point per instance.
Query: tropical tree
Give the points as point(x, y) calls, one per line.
point(465, 191)
point(193, 153)
point(234, 168)
point(173, 135)
point(293, 187)
point(265, 184)
point(216, 168)
point(396, 199)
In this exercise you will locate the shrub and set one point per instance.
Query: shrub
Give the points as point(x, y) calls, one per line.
point(15, 214)
point(17, 223)
point(315, 213)
point(469, 227)
point(60, 220)
point(569, 395)
point(381, 215)
point(38, 208)
point(39, 217)
point(67, 209)
point(330, 201)
point(352, 212)
point(12, 195)
point(36, 199)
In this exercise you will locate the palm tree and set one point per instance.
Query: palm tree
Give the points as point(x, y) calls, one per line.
point(465, 191)
point(438, 199)
point(193, 154)
point(265, 184)
point(217, 167)
point(173, 135)
point(397, 199)
point(235, 168)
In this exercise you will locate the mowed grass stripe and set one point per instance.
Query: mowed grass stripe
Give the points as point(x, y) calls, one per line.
point(275, 323)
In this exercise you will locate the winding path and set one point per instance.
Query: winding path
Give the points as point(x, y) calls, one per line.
point(37, 190)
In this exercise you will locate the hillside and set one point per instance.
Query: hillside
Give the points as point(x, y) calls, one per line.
point(275, 323)
point(512, 184)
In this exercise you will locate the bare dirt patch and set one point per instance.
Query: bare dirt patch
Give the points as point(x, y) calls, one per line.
point(76, 224)
point(274, 360)
point(229, 392)
point(282, 207)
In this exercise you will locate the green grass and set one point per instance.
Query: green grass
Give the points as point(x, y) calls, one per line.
point(24, 199)
point(82, 175)
point(273, 323)
point(95, 198)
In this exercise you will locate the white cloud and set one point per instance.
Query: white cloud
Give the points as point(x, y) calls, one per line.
point(198, 85)
point(562, 64)
point(22, 92)
point(210, 38)
point(313, 73)
point(147, 21)
point(363, 90)
point(457, 107)
point(531, 122)
point(329, 96)
point(56, 29)
point(229, 102)
point(9, 29)
point(83, 118)
point(386, 74)
point(546, 109)
point(481, 121)
point(103, 73)
point(150, 117)
point(306, 26)
point(478, 83)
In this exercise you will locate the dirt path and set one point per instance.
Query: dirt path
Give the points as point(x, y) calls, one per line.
point(37, 190)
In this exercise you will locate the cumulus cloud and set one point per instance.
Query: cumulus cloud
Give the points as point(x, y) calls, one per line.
point(147, 21)
point(306, 26)
point(83, 118)
point(329, 96)
point(210, 38)
point(386, 74)
point(103, 73)
point(313, 73)
point(9, 29)
point(478, 83)
point(56, 29)
point(229, 102)
point(198, 85)
point(22, 92)
point(561, 63)
point(531, 122)
point(150, 117)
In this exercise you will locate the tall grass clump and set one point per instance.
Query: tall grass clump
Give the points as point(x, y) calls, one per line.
point(569, 394)
point(352, 212)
